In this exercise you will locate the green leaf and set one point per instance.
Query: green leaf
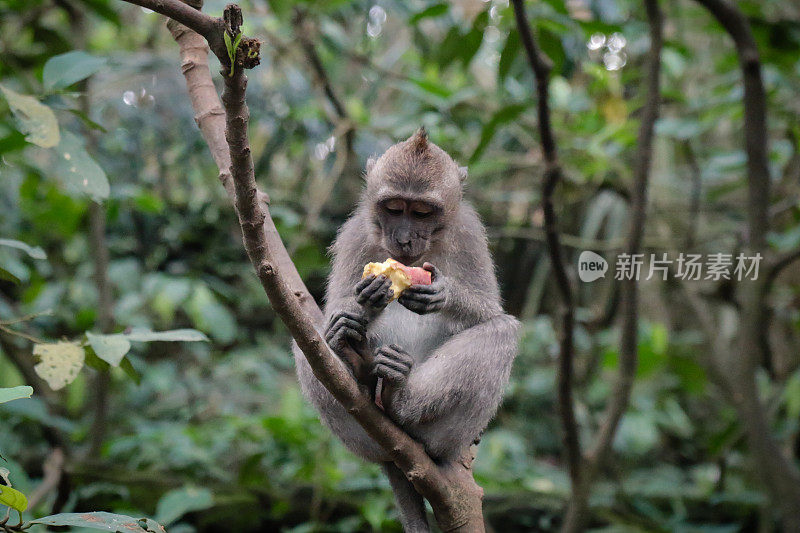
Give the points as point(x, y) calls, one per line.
point(503, 116)
point(34, 251)
point(36, 120)
point(176, 503)
point(131, 372)
point(472, 40)
point(15, 393)
point(76, 169)
point(8, 276)
point(60, 362)
point(436, 10)
point(101, 520)
point(175, 335)
point(109, 348)
point(208, 314)
point(63, 70)
point(508, 54)
point(13, 498)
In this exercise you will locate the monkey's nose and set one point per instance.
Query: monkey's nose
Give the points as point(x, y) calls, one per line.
point(403, 238)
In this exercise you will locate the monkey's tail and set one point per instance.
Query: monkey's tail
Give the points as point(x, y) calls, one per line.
point(409, 503)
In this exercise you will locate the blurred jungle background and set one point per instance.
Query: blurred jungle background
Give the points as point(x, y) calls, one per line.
point(112, 220)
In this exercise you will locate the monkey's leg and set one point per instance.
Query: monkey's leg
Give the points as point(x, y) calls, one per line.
point(409, 503)
point(446, 400)
point(333, 415)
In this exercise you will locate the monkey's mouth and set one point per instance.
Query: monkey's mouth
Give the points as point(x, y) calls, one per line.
point(406, 257)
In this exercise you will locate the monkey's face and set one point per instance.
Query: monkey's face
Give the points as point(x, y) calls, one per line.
point(407, 227)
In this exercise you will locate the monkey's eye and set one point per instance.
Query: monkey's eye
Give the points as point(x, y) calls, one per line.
point(394, 207)
point(421, 210)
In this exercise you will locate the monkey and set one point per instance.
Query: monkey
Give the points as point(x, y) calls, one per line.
point(443, 351)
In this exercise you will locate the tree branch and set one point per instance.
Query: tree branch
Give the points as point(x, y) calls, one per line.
point(628, 356)
point(210, 118)
point(755, 116)
point(541, 65)
point(779, 474)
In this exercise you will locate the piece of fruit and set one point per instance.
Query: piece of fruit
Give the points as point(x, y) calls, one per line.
point(402, 276)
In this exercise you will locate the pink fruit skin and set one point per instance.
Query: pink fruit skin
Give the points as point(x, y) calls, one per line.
point(419, 276)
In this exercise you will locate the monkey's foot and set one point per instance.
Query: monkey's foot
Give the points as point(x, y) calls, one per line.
point(392, 363)
point(345, 326)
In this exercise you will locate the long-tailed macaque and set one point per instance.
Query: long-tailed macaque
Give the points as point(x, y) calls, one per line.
point(443, 351)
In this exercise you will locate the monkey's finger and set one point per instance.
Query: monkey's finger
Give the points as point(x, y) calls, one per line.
point(354, 316)
point(350, 323)
point(364, 282)
point(415, 306)
point(435, 272)
point(381, 298)
point(375, 285)
point(393, 351)
point(352, 334)
point(389, 374)
point(346, 332)
point(379, 289)
point(422, 298)
point(394, 365)
point(423, 289)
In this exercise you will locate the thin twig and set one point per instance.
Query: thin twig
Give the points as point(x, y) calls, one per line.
point(53, 468)
point(541, 65)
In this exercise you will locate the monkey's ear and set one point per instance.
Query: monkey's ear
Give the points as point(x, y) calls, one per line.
point(370, 165)
point(462, 173)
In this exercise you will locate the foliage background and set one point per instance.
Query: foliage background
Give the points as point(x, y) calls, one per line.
point(215, 435)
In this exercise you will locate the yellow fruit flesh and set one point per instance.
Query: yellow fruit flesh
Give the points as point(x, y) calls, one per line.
point(389, 268)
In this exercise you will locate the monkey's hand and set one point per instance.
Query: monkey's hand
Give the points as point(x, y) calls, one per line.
point(392, 363)
point(374, 293)
point(424, 299)
point(344, 326)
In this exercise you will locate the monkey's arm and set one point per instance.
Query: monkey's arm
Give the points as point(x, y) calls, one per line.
point(448, 399)
point(347, 292)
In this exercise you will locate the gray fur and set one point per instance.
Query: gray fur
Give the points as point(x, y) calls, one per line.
point(452, 364)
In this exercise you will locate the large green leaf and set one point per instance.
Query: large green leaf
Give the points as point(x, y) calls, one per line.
point(63, 70)
point(76, 169)
point(36, 120)
point(33, 251)
point(101, 520)
point(13, 498)
point(176, 503)
point(109, 348)
point(15, 393)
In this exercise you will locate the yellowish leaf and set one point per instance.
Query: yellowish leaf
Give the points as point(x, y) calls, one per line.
point(60, 363)
point(13, 498)
point(36, 120)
